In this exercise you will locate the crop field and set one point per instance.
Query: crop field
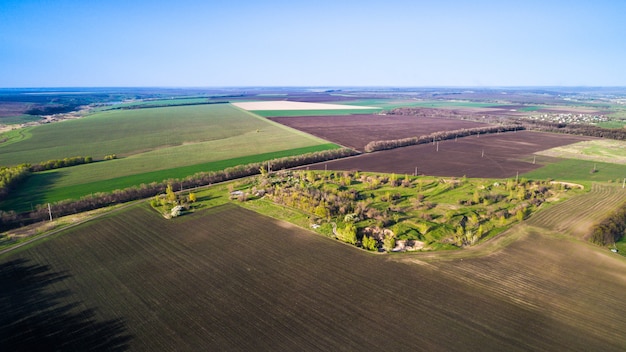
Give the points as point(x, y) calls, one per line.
point(505, 155)
point(579, 171)
point(355, 131)
point(610, 151)
point(131, 132)
point(154, 144)
point(578, 215)
point(295, 105)
point(235, 280)
point(55, 185)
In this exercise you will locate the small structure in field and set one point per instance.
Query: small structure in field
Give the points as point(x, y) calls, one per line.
point(176, 211)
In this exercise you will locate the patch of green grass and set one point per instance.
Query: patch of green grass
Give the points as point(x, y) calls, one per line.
point(612, 124)
point(579, 171)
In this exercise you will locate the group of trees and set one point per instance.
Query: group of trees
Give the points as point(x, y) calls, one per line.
point(10, 219)
point(326, 196)
point(611, 229)
point(437, 136)
point(59, 163)
point(11, 176)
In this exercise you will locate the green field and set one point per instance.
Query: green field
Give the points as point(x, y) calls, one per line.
point(16, 120)
point(55, 185)
point(612, 124)
point(246, 282)
point(153, 145)
point(579, 171)
point(131, 132)
point(388, 104)
point(604, 150)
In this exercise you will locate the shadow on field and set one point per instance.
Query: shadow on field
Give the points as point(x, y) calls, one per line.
point(36, 318)
point(32, 192)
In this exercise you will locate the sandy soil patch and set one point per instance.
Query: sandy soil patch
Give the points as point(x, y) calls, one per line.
point(295, 105)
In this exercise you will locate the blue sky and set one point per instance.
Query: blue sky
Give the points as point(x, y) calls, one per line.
point(185, 43)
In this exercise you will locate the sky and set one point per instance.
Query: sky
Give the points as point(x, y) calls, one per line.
point(214, 43)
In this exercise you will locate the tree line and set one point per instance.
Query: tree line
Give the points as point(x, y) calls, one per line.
point(11, 219)
point(576, 129)
point(60, 163)
point(610, 230)
point(437, 136)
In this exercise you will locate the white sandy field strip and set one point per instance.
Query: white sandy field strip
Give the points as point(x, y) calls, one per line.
point(295, 105)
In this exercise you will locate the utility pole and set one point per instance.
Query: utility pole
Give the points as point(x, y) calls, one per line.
point(516, 177)
point(50, 211)
point(483, 154)
point(534, 159)
point(416, 171)
point(624, 183)
point(437, 145)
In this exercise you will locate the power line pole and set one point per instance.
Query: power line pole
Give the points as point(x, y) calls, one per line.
point(50, 211)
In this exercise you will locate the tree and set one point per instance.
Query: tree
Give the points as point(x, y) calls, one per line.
point(170, 196)
point(369, 243)
point(192, 197)
point(347, 234)
point(389, 243)
point(321, 211)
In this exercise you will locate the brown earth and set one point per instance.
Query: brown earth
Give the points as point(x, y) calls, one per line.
point(355, 131)
point(505, 154)
point(233, 280)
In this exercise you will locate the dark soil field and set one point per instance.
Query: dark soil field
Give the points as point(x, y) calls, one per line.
point(232, 280)
point(355, 131)
point(505, 155)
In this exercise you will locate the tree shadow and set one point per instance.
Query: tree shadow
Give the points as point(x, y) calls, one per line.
point(35, 318)
point(31, 192)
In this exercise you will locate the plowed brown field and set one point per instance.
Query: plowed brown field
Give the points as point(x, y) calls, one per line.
point(355, 131)
point(234, 280)
point(505, 155)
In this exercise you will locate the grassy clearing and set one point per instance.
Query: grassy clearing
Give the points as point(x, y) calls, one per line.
point(579, 171)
